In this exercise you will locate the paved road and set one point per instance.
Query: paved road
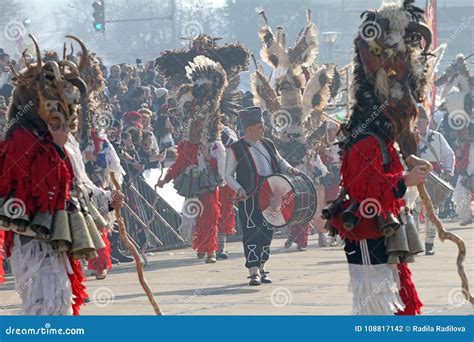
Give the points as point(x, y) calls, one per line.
point(313, 282)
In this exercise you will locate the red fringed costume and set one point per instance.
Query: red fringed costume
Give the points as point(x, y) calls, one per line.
point(205, 232)
point(45, 190)
point(102, 262)
point(227, 217)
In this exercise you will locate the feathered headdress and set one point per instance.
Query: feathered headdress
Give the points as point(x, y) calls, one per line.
point(233, 57)
point(200, 99)
point(300, 93)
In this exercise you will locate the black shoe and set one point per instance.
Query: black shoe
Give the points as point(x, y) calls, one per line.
point(120, 257)
point(222, 255)
point(113, 260)
point(264, 278)
point(429, 249)
point(255, 280)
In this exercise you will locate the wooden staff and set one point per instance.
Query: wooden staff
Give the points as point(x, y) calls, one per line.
point(442, 233)
point(134, 252)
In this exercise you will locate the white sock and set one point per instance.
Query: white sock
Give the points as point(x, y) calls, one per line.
point(254, 271)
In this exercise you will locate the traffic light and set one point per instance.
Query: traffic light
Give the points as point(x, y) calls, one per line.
point(99, 16)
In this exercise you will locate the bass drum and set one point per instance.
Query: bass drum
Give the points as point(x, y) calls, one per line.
point(287, 200)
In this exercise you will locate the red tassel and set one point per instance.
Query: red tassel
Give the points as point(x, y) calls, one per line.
point(102, 262)
point(205, 236)
point(227, 218)
point(408, 293)
point(78, 289)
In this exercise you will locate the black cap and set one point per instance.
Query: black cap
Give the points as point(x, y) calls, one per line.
point(250, 116)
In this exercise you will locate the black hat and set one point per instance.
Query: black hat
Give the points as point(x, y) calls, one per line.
point(250, 116)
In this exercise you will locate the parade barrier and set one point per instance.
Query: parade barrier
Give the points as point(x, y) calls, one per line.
point(150, 220)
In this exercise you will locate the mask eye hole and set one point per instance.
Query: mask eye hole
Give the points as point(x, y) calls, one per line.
point(376, 50)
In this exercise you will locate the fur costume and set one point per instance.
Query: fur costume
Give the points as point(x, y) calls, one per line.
point(45, 214)
point(390, 78)
point(301, 91)
point(196, 177)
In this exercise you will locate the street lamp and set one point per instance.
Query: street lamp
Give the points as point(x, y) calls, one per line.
point(330, 38)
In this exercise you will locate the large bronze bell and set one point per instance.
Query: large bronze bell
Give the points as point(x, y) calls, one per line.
point(42, 225)
point(414, 243)
point(61, 231)
point(82, 244)
point(387, 225)
point(349, 217)
point(397, 244)
point(94, 232)
point(99, 220)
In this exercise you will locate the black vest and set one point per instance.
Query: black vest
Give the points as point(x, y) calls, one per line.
point(247, 175)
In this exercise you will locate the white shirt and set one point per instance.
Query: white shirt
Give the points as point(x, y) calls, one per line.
point(442, 151)
point(262, 161)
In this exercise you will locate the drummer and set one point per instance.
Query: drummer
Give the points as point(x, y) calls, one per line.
point(248, 161)
point(435, 149)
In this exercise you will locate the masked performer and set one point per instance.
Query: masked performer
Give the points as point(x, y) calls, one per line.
point(49, 221)
point(389, 80)
point(248, 161)
point(199, 169)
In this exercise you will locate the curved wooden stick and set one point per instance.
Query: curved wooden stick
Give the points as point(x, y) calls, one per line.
point(442, 233)
point(133, 250)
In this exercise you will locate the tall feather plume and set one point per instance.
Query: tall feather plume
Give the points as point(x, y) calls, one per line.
point(318, 92)
point(232, 97)
point(306, 49)
point(265, 96)
point(272, 52)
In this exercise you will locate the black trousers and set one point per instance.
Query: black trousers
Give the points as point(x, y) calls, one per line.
point(257, 234)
